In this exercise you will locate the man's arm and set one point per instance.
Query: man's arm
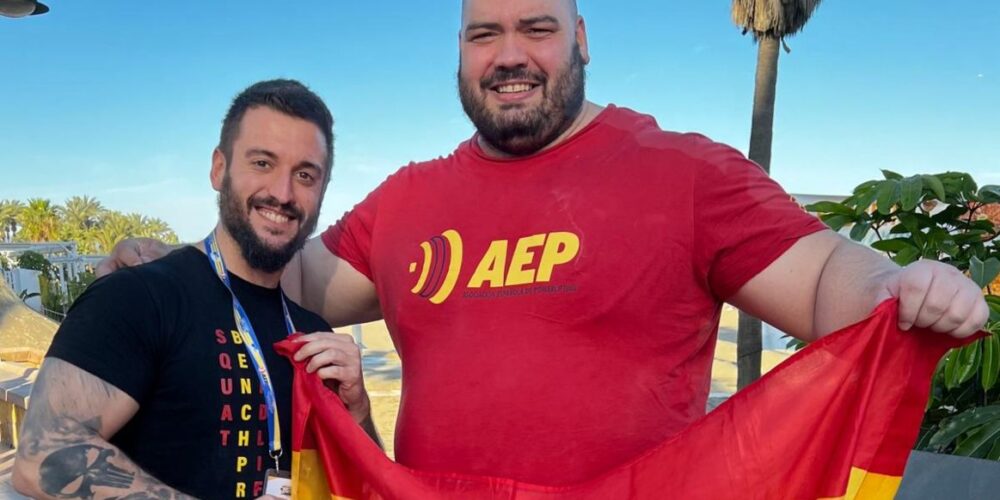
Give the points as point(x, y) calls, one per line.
point(825, 282)
point(315, 279)
point(64, 450)
point(329, 286)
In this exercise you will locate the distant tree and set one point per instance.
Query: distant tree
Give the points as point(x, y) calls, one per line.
point(81, 215)
point(10, 211)
point(34, 261)
point(40, 221)
point(83, 219)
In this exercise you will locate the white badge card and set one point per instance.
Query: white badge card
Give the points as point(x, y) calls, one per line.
point(278, 483)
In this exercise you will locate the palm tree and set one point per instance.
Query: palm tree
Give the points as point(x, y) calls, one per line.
point(114, 227)
point(81, 215)
point(153, 227)
point(10, 211)
point(40, 221)
point(769, 21)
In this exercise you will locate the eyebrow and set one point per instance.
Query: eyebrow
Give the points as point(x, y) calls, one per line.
point(262, 152)
point(271, 155)
point(538, 19)
point(523, 22)
point(486, 26)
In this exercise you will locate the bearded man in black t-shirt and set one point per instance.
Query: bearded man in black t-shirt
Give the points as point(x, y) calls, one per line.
point(152, 387)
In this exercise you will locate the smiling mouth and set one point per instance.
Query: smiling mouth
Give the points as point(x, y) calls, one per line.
point(514, 88)
point(273, 216)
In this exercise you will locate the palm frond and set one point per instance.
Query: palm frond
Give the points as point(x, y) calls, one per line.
point(772, 18)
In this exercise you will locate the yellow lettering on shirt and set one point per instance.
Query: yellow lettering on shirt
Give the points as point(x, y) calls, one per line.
point(246, 411)
point(560, 248)
point(241, 462)
point(245, 386)
point(491, 268)
point(519, 274)
point(241, 359)
point(241, 490)
point(237, 338)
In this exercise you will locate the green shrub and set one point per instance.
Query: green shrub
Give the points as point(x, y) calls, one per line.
point(940, 217)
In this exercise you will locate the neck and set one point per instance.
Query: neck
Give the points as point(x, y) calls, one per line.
point(587, 113)
point(236, 264)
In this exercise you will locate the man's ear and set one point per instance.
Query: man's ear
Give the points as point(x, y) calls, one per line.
point(581, 39)
point(218, 171)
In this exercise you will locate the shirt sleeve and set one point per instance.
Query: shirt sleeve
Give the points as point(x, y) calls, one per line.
point(351, 237)
point(112, 332)
point(744, 220)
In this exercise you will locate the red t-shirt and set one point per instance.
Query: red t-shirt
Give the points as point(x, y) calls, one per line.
point(556, 315)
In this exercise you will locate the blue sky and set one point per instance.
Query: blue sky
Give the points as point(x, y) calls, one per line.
point(122, 100)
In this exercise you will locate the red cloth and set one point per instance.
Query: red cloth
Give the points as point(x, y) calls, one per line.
point(594, 268)
point(853, 400)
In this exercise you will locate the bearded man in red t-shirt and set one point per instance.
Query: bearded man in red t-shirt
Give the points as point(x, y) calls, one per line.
point(553, 286)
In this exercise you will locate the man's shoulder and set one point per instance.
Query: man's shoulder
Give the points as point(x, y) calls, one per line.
point(171, 274)
point(652, 139)
point(417, 169)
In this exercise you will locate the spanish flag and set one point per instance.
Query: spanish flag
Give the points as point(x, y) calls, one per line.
point(835, 421)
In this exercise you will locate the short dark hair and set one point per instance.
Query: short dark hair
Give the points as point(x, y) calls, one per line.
point(285, 96)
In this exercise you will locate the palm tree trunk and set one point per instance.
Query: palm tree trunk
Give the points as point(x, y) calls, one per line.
point(748, 337)
point(762, 127)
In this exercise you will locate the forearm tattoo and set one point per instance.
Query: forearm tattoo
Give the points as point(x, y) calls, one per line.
point(74, 458)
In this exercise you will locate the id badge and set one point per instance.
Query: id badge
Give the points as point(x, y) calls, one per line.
point(278, 483)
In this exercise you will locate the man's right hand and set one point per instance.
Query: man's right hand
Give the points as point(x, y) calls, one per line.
point(133, 252)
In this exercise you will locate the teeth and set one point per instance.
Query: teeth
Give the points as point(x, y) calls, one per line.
point(273, 216)
point(516, 87)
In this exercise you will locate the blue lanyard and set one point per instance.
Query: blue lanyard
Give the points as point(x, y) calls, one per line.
point(253, 347)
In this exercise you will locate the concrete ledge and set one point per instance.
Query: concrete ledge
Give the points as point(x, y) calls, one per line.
point(24, 356)
point(15, 389)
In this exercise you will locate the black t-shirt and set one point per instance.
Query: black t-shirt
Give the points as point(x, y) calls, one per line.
point(164, 333)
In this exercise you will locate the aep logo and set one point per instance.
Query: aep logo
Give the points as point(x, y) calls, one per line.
point(498, 267)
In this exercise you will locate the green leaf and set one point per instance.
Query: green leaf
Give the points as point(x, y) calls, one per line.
point(961, 365)
point(970, 359)
point(951, 428)
point(863, 200)
point(865, 186)
point(993, 302)
point(951, 369)
point(991, 362)
point(890, 175)
point(981, 442)
point(911, 189)
point(989, 194)
point(910, 222)
point(888, 195)
point(892, 245)
point(836, 221)
point(968, 237)
point(821, 207)
point(859, 231)
point(969, 187)
point(983, 273)
point(907, 256)
point(994, 454)
point(934, 184)
point(982, 225)
point(949, 214)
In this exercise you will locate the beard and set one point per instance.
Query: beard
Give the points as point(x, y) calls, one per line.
point(522, 132)
point(256, 252)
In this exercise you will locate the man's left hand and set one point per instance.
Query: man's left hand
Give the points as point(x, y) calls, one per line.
point(336, 358)
point(938, 297)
